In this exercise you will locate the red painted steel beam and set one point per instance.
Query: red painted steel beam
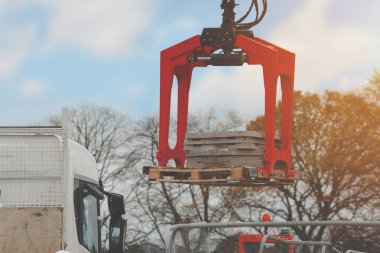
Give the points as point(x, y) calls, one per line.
point(277, 63)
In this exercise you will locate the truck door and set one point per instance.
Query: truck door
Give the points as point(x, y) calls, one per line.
point(86, 214)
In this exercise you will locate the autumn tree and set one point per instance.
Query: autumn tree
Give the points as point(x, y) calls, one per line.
point(122, 147)
point(367, 238)
point(335, 144)
point(159, 205)
point(108, 136)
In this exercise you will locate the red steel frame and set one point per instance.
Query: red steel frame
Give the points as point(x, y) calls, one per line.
point(257, 238)
point(277, 63)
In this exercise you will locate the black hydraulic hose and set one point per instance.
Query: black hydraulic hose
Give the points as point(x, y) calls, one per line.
point(258, 19)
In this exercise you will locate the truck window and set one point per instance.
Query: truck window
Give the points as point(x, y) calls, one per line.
point(86, 214)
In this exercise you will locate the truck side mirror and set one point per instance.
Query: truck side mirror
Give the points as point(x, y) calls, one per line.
point(117, 223)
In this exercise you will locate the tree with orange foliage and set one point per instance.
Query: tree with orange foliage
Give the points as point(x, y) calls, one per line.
point(336, 143)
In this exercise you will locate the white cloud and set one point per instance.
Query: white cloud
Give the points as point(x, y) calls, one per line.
point(16, 45)
point(13, 54)
point(186, 22)
point(134, 92)
point(33, 88)
point(241, 89)
point(347, 83)
point(103, 28)
point(324, 50)
point(7, 7)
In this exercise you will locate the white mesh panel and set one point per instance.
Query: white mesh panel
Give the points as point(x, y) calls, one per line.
point(31, 167)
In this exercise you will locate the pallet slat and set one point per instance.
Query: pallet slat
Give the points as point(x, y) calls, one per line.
point(239, 146)
point(241, 176)
point(226, 134)
point(199, 162)
point(225, 152)
point(216, 141)
point(230, 135)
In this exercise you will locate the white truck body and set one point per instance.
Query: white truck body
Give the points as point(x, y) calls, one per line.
point(40, 169)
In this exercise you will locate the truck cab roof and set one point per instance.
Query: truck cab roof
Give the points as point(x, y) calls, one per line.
point(82, 162)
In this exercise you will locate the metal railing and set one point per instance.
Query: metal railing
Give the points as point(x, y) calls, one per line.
point(175, 228)
point(323, 244)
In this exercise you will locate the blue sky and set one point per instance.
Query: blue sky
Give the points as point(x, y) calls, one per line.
point(64, 53)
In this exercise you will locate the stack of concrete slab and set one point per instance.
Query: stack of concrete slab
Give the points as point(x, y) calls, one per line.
point(224, 149)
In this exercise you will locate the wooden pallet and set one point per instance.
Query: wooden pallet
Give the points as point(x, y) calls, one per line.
point(239, 176)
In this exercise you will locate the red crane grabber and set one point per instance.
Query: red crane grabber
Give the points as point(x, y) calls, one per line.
point(230, 45)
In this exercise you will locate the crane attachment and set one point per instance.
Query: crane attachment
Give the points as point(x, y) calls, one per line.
point(231, 44)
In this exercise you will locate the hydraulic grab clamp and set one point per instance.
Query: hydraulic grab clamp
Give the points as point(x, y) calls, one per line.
point(230, 45)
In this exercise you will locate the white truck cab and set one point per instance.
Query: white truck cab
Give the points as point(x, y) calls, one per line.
point(50, 195)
